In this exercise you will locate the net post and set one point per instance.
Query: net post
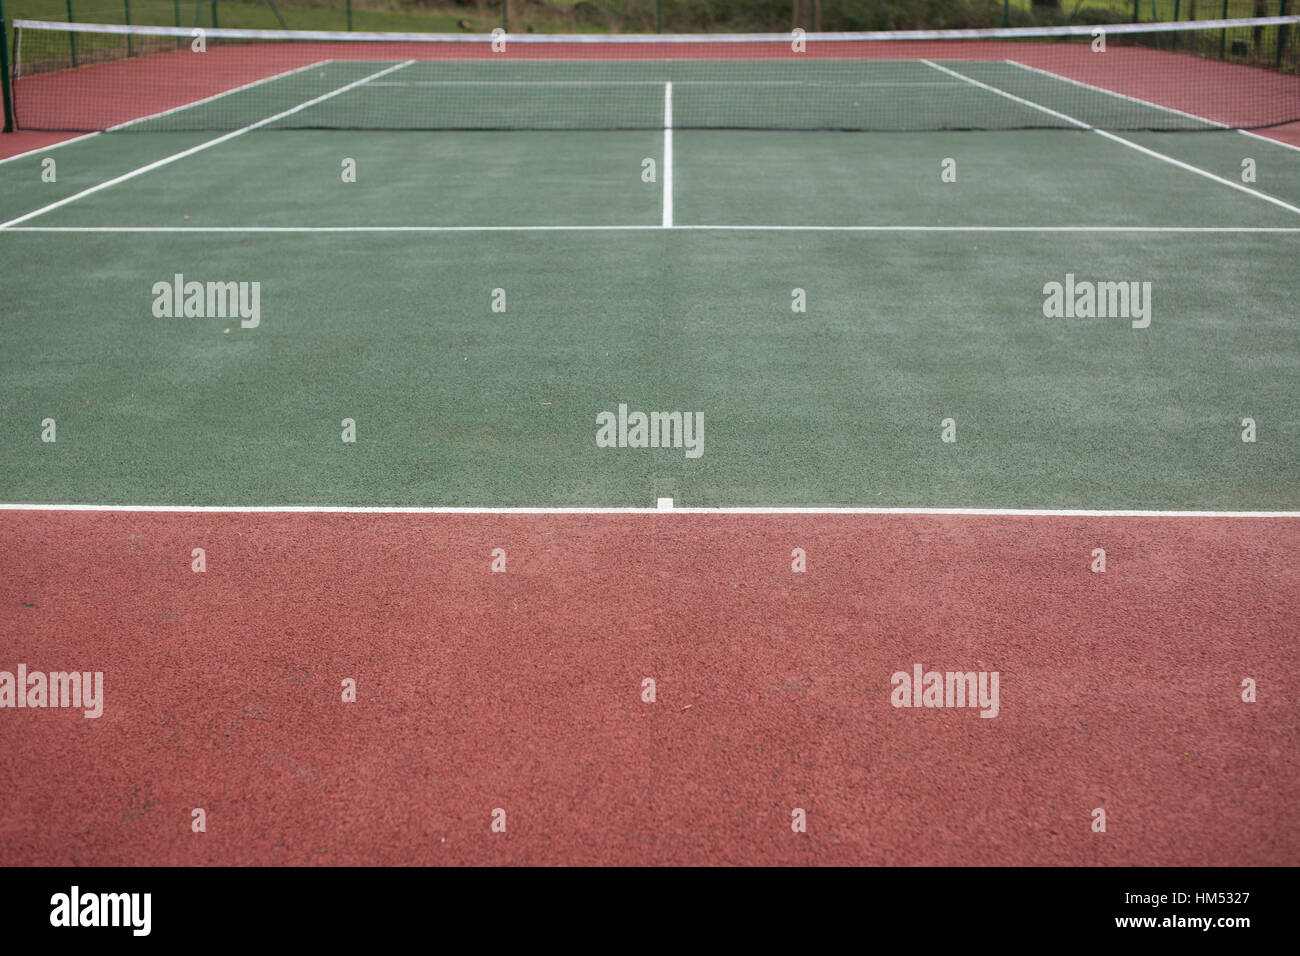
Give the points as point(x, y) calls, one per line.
point(72, 37)
point(6, 94)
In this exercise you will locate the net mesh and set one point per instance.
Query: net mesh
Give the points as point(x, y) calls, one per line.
point(1187, 76)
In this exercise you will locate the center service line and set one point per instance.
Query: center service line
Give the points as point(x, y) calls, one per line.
point(668, 155)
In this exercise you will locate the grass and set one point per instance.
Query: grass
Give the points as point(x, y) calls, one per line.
point(370, 15)
point(255, 15)
point(259, 14)
point(582, 15)
point(1160, 10)
point(552, 16)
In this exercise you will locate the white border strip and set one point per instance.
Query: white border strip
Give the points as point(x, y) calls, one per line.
point(360, 510)
point(1120, 139)
point(166, 160)
point(658, 38)
point(644, 227)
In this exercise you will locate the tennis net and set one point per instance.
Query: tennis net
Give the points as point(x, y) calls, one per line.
point(1171, 76)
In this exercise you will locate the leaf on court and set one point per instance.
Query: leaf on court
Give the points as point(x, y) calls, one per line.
point(687, 707)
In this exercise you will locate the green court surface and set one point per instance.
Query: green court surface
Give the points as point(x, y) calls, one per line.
point(376, 305)
point(458, 94)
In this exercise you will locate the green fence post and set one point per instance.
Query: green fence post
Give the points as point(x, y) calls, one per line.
point(349, 14)
point(278, 17)
point(1281, 34)
point(72, 37)
point(126, 10)
point(1223, 35)
point(505, 15)
point(214, 13)
point(1006, 13)
point(6, 94)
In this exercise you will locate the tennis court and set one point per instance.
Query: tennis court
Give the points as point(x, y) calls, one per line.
point(841, 266)
point(676, 290)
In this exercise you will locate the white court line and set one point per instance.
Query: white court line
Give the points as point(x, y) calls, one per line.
point(380, 510)
point(1268, 139)
point(1121, 140)
point(637, 228)
point(201, 146)
point(174, 109)
point(1010, 96)
point(585, 83)
point(1167, 109)
point(217, 96)
point(1198, 171)
point(45, 149)
point(1192, 229)
point(668, 156)
point(332, 228)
